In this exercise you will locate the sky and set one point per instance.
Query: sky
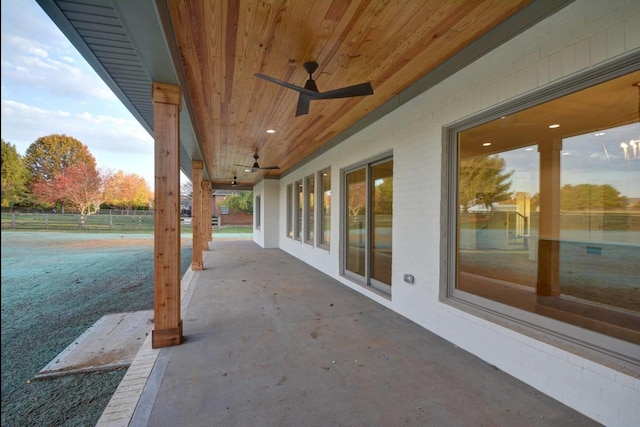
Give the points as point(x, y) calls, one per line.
point(597, 159)
point(48, 88)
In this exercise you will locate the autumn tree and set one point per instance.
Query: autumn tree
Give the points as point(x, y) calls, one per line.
point(356, 191)
point(591, 196)
point(79, 186)
point(127, 191)
point(48, 156)
point(15, 175)
point(483, 182)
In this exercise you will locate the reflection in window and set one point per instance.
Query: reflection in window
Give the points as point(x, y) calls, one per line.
point(356, 197)
point(325, 208)
point(548, 217)
point(368, 249)
point(310, 184)
point(257, 212)
point(290, 210)
point(298, 204)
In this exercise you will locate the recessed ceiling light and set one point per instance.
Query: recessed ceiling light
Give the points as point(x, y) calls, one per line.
point(271, 131)
point(529, 149)
point(554, 126)
point(598, 134)
point(486, 144)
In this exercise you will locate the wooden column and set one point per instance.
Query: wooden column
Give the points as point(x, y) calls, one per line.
point(167, 322)
point(207, 211)
point(549, 219)
point(198, 216)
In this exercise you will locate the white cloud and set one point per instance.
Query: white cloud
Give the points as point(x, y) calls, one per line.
point(48, 88)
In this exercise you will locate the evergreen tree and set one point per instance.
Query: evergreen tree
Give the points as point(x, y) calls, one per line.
point(483, 182)
point(15, 176)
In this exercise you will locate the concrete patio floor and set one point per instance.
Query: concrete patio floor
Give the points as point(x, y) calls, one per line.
point(270, 341)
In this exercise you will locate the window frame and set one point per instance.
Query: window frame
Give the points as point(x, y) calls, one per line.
point(587, 343)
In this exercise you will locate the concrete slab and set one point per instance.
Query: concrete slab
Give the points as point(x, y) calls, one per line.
point(112, 342)
point(270, 341)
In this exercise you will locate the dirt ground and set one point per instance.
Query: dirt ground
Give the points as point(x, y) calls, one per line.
point(54, 286)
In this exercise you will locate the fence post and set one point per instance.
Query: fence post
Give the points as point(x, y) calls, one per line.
point(46, 222)
point(13, 220)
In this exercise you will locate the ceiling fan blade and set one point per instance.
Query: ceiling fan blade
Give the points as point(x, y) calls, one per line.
point(303, 105)
point(269, 167)
point(361, 89)
point(242, 166)
point(287, 85)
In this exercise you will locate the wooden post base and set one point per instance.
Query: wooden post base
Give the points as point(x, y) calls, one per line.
point(166, 337)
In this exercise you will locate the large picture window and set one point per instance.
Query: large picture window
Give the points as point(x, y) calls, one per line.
point(545, 212)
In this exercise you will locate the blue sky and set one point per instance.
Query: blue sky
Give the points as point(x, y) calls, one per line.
point(48, 88)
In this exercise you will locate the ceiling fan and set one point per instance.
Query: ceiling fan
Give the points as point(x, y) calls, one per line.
point(310, 90)
point(235, 181)
point(256, 167)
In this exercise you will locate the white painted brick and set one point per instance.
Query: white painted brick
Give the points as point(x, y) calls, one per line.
point(615, 40)
point(630, 392)
point(596, 368)
point(630, 417)
point(598, 47)
point(582, 58)
point(555, 66)
point(632, 31)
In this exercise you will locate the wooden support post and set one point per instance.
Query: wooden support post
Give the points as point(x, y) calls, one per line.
point(549, 219)
point(167, 322)
point(198, 216)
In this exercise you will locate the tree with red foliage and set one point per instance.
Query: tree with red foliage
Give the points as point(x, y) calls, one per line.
point(79, 186)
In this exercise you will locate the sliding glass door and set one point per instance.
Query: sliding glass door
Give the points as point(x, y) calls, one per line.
point(368, 210)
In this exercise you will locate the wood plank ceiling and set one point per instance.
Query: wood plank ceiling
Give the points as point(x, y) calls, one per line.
point(391, 44)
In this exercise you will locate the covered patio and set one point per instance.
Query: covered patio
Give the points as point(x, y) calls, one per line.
point(269, 340)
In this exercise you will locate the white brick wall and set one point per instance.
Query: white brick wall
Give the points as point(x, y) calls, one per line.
point(584, 34)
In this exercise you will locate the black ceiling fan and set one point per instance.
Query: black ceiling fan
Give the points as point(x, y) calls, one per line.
point(256, 167)
point(235, 181)
point(310, 90)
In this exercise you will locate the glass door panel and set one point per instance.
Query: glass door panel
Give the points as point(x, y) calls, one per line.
point(382, 210)
point(356, 236)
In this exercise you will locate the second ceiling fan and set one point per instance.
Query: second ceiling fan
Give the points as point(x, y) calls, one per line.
point(310, 90)
point(256, 167)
